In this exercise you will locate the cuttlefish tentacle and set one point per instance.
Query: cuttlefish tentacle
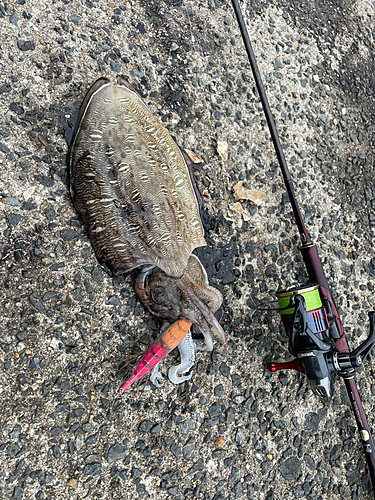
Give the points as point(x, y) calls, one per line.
point(195, 310)
point(162, 346)
point(187, 355)
point(156, 375)
point(187, 348)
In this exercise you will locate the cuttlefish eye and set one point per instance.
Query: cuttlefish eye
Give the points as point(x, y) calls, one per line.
point(158, 295)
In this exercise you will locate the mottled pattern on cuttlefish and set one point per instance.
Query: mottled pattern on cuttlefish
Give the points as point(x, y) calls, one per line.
point(134, 190)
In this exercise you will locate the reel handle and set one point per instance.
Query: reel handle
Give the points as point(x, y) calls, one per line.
point(345, 362)
point(362, 351)
point(289, 365)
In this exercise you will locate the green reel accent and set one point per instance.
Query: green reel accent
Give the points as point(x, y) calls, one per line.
point(309, 292)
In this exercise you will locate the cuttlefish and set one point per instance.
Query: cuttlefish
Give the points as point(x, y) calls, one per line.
point(135, 191)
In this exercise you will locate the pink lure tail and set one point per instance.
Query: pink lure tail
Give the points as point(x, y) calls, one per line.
point(164, 344)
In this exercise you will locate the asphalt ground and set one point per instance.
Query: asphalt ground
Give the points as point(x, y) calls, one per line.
point(233, 431)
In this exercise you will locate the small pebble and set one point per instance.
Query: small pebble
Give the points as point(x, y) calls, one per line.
point(25, 45)
point(219, 441)
point(116, 452)
point(290, 468)
point(73, 483)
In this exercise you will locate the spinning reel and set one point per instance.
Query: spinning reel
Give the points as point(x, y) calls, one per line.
point(312, 331)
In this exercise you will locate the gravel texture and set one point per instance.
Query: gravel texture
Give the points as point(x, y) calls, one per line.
point(233, 431)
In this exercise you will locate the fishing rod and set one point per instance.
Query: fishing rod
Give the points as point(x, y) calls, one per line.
point(309, 314)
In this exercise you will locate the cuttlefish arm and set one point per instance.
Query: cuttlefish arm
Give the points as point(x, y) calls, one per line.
point(162, 346)
point(187, 348)
point(190, 297)
point(187, 357)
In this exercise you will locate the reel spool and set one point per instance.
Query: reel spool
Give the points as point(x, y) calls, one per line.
point(316, 315)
